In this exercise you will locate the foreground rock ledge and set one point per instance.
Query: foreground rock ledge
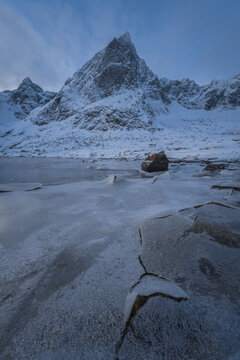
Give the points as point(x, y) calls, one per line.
point(155, 162)
point(190, 255)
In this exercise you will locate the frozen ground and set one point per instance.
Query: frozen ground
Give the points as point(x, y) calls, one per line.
point(181, 133)
point(69, 256)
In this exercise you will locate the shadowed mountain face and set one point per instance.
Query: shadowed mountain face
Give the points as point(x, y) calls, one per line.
point(25, 98)
point(121, 67)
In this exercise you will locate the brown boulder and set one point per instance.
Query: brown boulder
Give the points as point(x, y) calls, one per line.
point(155, 162)
point(211, 167)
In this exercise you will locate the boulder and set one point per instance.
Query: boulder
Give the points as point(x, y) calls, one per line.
point(155, 162)
point(211, 167)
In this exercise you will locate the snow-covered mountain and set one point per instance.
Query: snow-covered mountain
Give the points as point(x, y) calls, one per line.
point(115, 91)
point(17, 104)
point(219, 94)
point(115, 88)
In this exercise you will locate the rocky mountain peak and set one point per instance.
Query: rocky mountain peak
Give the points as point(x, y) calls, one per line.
point(25, 98)
point(27, 84)
point(126, 38)
point(114, 88)
point(120, 66)
point(26, 81)
point(120, 50)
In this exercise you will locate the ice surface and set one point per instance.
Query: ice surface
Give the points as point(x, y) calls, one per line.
point(69, 257)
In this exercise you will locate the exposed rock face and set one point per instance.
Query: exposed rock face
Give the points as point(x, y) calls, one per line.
point(25, 98)
point(155, 162)
point(219, 94)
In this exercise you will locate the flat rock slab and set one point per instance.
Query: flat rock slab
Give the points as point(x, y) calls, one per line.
point(197, 247)
point(191, 255)
point(20, 187)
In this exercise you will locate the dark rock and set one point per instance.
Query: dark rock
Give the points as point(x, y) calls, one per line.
point(155, 162)
point(226, 187)
point(212, 167)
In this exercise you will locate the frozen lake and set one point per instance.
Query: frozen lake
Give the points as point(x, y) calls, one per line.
point(69, 250)
point(60, 171)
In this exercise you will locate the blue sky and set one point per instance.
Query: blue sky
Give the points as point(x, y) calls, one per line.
point(48, 40)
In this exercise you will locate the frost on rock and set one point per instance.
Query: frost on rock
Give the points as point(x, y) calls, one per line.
point(150, 285)
point(194, 255)
point(218, 94)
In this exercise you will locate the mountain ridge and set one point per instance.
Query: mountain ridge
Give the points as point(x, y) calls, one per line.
point(116, 88)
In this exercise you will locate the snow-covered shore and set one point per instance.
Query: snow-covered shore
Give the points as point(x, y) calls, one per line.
point(182, 133)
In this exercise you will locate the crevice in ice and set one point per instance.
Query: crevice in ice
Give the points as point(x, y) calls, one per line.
point(222, 187)
point(142, 264)
point(140, 236)
point(208, 203)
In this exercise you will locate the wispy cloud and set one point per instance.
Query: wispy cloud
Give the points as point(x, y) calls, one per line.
point(24, 52)
point(48, 40)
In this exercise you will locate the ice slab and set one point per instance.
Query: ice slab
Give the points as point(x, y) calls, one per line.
point(20, 187)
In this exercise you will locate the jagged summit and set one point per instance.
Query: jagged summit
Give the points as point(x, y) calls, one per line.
point(114, 88)
point(27, 84)
point(125, 38)
point(26, 81)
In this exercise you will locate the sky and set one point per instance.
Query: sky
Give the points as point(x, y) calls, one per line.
point(48, 40)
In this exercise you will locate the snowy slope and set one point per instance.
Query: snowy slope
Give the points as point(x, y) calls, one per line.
point(181, 133)
point(17, 104)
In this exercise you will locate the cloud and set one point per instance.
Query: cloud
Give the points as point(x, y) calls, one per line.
point(24, 52)
point(52, 41)
point(49, 40)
